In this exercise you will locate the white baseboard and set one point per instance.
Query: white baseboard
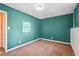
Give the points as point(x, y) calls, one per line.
point(34, 41)
point(22, 45)
point(54, 41)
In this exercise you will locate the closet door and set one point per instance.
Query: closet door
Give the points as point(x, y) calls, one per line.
point(2, 28)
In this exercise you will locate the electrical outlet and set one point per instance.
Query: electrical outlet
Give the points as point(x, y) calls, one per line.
point(19, 41)
point(51, 37)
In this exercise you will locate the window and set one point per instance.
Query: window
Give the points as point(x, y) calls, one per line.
point(26, 27)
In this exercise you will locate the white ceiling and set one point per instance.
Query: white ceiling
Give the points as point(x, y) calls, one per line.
point(50, 9)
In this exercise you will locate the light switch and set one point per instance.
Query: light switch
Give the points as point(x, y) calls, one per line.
point(8, 28)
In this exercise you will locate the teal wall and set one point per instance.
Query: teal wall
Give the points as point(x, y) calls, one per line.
point(57, 27)
point(76, 16)
point(15, 34)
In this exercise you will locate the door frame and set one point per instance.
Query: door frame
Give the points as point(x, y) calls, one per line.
point(5, 40)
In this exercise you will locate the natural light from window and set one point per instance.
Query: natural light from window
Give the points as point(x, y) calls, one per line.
point(26, 27)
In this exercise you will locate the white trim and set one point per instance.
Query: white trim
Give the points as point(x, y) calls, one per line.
point(6, 32)
point(54, 41)
point(73, 20)
point(22, 45)
point(73, 15)
point(74, 28)
point(34, 41)
point(5, 46)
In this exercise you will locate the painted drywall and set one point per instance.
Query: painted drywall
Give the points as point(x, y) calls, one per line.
point(76, 16)
point(57, 28)
point(15, 34)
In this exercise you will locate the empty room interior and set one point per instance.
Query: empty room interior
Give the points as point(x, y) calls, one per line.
point(39, 29)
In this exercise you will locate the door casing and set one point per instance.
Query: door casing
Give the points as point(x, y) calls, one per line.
point(5, 31)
